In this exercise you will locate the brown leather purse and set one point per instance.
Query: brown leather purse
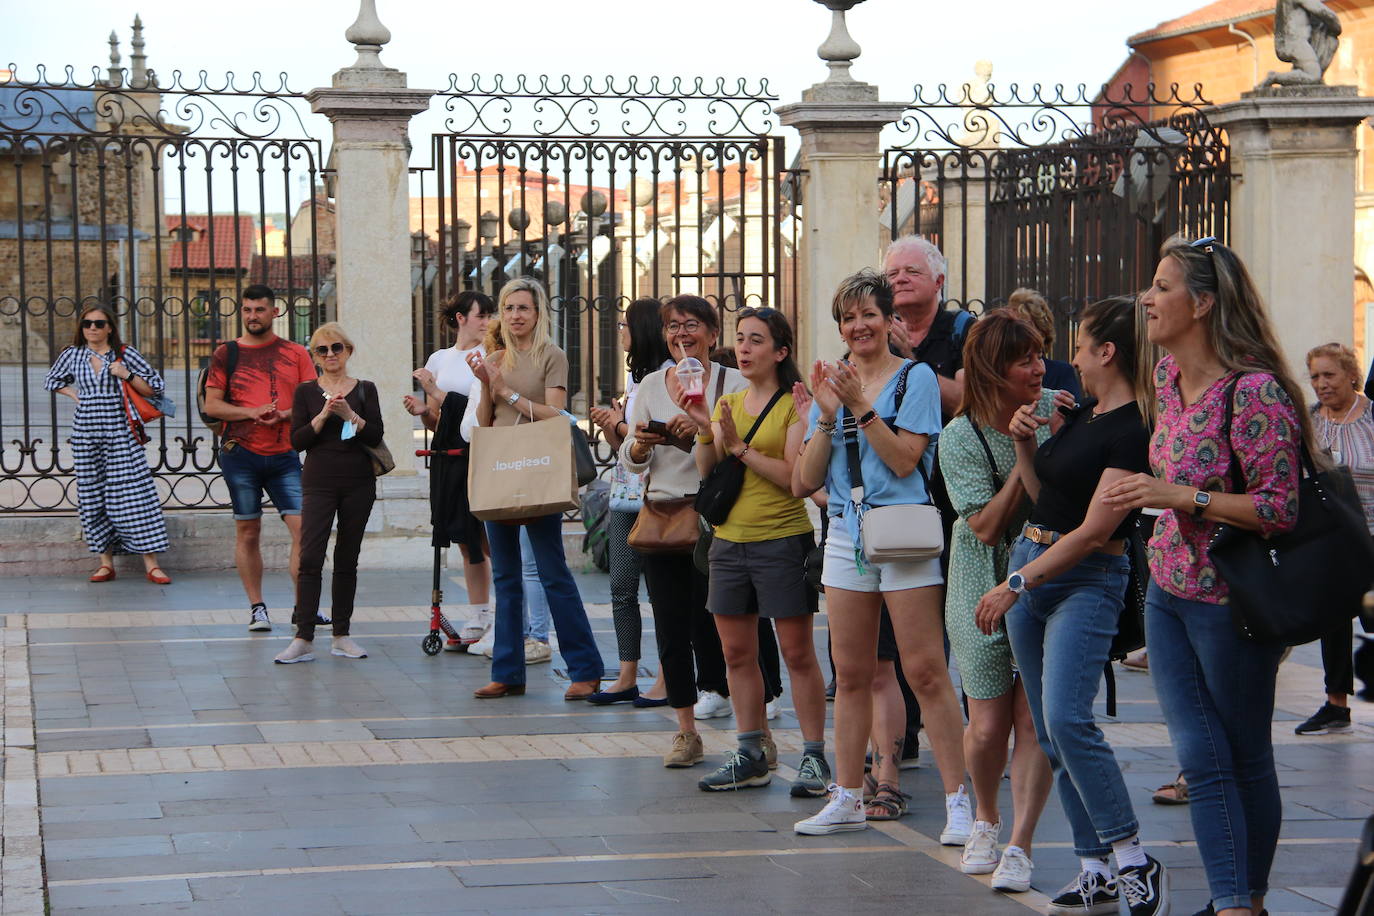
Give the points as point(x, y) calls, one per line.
point(665, 526)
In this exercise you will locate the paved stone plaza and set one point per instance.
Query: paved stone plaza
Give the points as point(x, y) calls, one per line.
point(179, 770)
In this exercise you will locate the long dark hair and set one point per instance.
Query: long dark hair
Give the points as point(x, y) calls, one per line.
point(461, 304)
point(781, 331)
point(79, 339)
point(648, 350)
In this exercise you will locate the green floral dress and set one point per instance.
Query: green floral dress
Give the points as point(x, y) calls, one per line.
point(985, 662)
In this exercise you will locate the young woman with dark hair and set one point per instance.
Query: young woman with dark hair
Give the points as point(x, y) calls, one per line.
point(758, 555)
point(1065, 594)
point(1215, 687)
point(641, 337)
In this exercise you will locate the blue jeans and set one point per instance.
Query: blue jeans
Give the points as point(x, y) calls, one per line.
point(247, 474)
point(1217, 693)
point(575, 641)
point(536, 606)
point(1061, 634)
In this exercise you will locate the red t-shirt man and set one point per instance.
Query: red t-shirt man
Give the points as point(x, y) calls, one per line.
point(265, 374)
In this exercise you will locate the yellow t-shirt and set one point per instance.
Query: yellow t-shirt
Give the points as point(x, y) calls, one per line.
point(764, 510)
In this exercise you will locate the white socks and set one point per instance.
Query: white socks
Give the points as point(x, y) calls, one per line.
point(1097, 867)
point(1129, 853)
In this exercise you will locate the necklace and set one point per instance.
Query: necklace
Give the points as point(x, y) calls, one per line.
point(1331, 430)
point(881, 373)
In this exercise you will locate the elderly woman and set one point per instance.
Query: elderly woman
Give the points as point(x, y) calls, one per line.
point(1204, 311)
point(115, 496)
point(1344, 425)
point(333, 420)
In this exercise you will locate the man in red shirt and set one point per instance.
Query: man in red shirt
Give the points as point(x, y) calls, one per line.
point(252, 392)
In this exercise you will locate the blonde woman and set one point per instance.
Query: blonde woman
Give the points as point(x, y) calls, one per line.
point(332, 419)
point(529, 379)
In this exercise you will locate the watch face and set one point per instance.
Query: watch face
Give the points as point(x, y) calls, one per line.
point(1202, 498)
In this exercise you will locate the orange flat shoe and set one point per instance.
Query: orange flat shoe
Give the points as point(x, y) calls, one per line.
point(581, 690)
point(104, 574)
point(495, 690)
point(158, 577)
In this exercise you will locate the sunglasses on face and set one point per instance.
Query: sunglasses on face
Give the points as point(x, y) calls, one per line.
point(97, 323)
point(324, 350)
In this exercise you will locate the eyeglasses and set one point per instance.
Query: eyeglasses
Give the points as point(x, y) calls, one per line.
point(620, 325)
point(336, 347)
point(1205, 243)
point(97, 323)
point(765, 313)
point(691, 326)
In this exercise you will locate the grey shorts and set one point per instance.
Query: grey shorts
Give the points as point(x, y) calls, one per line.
point(767, 578)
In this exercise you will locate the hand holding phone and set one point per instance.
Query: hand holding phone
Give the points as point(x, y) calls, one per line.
point(658, 428)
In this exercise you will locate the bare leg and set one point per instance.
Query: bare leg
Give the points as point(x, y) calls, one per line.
point(107, 559)
point(808, 688)
point(476, 578)
point(626, 678)
point(660, 689)
point(739, 642)
point(248, 556)
point(853, 644)
point(293, 526)
point(686, 721)
point(918, 621)
point(1031, 776)
point(150, 562)
point(985, 749)
point(889, 724)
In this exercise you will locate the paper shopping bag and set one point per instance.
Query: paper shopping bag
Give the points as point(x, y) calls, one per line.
point(521, 471)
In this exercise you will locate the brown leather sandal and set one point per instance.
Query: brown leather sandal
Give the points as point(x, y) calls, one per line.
point(1172, 793)
point(887, 805)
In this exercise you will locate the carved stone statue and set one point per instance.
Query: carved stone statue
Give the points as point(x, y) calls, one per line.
point(1306, 34)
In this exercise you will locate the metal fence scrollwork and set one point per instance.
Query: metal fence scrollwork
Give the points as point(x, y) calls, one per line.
point(1058, 189)
point(159, 200)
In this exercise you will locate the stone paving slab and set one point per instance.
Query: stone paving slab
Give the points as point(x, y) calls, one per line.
point(179, 771)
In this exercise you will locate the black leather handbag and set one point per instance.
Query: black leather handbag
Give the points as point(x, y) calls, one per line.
point(721, 487)
point(1291, 588)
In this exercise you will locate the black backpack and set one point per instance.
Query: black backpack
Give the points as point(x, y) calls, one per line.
point(231, 362)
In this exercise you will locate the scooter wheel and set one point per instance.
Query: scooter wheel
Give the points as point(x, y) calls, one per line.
point(432, 644)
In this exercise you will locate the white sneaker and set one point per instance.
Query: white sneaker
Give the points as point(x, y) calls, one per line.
point(486, 645)
point(537, 651)
point(345, 647)
point(844, 811)
point(711, 705)
point(475, 626)
point(298, 651)
point(1014, 871)
point(980, 852)
point(958, 819)
point(773, 709)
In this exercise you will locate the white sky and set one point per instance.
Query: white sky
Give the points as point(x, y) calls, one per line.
point(904, 41)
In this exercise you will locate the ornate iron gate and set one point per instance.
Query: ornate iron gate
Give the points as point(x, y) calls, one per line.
point(609, 192)
point(159, 202)
point(1067, 193)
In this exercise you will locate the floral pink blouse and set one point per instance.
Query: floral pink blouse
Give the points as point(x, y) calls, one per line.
point(1189, 447)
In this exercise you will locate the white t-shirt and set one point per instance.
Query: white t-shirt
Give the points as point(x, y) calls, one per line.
point(451, 370)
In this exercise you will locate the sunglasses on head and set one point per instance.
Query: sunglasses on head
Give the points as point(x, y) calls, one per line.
point(326, 349)
point(1204, 243)
point(97, 323)
point(765, 312)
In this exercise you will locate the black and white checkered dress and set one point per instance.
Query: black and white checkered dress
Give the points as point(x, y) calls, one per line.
point(118, 502)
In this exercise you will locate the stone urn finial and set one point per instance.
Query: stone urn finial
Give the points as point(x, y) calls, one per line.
point(839, 49)
point(368, 35)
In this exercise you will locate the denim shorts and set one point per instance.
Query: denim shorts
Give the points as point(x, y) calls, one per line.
point(247, 474)
point(841, 570)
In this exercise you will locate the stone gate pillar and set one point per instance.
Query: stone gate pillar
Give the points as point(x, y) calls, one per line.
point(839, 121)
point(1293, 206)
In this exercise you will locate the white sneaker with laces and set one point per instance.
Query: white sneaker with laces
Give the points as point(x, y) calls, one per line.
point(980, 852)
point(711, 705)
point(536, 651)
point(1014, 871)
point(476, 625)
point(958, 819)
point(844, 811)
point(486, 645)
point(345, 647)
point(773, 709)
point(258, 621)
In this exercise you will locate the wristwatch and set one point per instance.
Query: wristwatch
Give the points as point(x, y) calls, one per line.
point(512, 398)
point(1201, 500)
point(1017, 582)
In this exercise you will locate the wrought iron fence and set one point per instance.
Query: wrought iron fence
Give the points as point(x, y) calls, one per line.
point(1062, 191)
point(159, 200)
point(606, 191)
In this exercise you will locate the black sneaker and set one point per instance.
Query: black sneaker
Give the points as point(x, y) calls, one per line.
point(813, 777)
point(1326, 721)
point(321, 620)
point(830, 691)
point(1145, 887)
point(257, 618)
point(739, 771)
point(1089, 894)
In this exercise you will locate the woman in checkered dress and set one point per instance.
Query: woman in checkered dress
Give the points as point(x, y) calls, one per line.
point(119, 506)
